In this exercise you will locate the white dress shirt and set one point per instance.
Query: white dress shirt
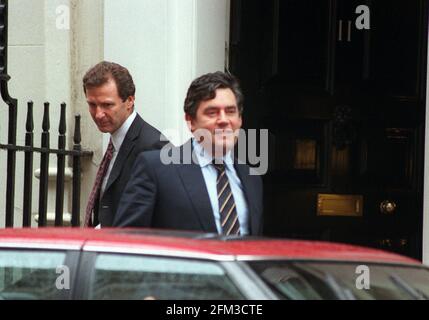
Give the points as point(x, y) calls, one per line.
point(117, 139)
point(210, 176)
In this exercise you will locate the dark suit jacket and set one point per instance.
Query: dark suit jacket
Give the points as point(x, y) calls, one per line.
point(175, 196)
point(141, 136)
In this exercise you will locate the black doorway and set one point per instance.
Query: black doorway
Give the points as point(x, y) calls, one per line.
point(345, 106)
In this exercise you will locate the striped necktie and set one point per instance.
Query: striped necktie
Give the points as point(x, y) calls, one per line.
point(227, 209)
point(95, 193)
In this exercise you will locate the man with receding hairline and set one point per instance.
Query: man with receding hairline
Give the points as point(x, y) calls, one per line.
point(110, 93)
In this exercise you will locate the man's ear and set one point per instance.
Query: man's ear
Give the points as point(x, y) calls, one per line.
point(130, 101)
point(188, 120)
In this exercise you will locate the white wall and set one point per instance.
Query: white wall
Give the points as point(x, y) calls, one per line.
point(51, 44)
point(87, 49)
point(38, 63)
point(165, 44)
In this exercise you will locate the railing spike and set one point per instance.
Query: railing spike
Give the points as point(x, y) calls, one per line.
point(46, 123)
point(30, 121)
point(62, 128)
point(77, 136)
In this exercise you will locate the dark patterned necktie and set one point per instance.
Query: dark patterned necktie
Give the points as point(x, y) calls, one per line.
point(95, 193)
point(227, 209)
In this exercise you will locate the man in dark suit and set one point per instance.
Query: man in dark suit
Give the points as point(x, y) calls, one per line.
point(199, 186)
point(110, 93)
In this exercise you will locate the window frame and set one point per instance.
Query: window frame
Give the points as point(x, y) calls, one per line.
point(71, 260)
point(242, 280)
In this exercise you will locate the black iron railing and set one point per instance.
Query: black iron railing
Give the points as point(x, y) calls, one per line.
point(29, 150)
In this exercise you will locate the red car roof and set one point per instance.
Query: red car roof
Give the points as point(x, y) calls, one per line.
point(193, 244)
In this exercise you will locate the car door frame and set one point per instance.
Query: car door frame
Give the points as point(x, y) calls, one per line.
point(237, 272)
point(72, 256)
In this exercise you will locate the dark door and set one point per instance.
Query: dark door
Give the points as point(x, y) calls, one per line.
point(340, 84)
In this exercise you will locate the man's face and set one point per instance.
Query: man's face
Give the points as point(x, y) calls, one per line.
point(220, 118)
point(106, 107)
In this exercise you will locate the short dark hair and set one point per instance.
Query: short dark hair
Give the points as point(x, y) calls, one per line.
point(204, 88)
point(102, 72)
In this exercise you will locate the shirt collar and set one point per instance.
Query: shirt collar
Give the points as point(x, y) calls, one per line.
point(119, 135)
point(205, 159)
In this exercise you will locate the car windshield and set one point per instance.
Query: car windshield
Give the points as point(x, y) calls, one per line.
point(343, 280)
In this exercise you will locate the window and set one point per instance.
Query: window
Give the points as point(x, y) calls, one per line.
point(30, 275)
point(329, 280)
point(134, 277)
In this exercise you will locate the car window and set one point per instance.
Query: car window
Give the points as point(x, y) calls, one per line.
point(333, 280)
point(135, 277)
point(31, 275)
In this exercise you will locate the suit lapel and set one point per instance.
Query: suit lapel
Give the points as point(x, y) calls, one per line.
point(127, 146)
point(243, 174)
point(195, 186)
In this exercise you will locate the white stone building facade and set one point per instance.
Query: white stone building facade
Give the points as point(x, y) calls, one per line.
point(164, 43)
